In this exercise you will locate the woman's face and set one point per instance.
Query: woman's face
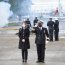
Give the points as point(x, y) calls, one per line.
point(24, 25)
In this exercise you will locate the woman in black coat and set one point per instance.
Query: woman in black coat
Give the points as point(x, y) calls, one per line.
point(24, 44)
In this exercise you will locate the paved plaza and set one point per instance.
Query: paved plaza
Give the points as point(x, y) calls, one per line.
point(11, 55)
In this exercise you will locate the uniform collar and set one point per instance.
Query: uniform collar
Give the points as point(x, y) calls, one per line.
point(40, 28)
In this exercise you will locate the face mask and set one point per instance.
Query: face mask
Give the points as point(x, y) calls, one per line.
point(23, 25)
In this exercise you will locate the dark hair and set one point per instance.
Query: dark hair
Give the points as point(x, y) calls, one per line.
point(50, 18)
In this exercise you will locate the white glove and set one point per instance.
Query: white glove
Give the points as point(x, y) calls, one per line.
point(36, 25)
point(47, 40)
point(23, 40)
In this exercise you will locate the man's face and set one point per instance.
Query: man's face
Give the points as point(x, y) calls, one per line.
point(23, 24)
point(40, 24)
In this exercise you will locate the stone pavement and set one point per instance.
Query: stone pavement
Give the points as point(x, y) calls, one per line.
point(11, 55)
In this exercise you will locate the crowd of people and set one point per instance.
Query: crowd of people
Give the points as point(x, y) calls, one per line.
point(41, 32)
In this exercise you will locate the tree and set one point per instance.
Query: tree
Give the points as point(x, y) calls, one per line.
point(20, 7)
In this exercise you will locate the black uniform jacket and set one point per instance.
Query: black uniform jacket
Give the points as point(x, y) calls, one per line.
point(24, 34)
point(50, 24)
point(41, 35)
point(56, 26)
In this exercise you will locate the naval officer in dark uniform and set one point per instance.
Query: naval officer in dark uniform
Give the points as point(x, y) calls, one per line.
point(35, 21)
point(28, 23)
point(41, 33)
point(24, 44)
point(56, 30)
point(50, 25)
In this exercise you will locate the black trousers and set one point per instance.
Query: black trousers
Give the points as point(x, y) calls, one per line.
point(40, 52)
point(56, 35)
point(24, 54)
point(51, 35)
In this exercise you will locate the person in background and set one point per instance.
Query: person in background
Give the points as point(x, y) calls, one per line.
point(35, 21)
point(24, 43)
point(40, 40)
point(56, 29)
point(50, 25)
point(28, 23)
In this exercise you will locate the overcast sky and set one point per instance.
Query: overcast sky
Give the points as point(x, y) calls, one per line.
point(47, 4)
point(41, 1)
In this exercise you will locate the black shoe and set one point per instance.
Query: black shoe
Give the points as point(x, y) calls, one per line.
point(56, 40)
point(23, 61)
point(42, 61)
point(38, 61)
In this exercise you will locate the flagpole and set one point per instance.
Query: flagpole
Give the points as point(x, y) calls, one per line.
point(59, 8)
